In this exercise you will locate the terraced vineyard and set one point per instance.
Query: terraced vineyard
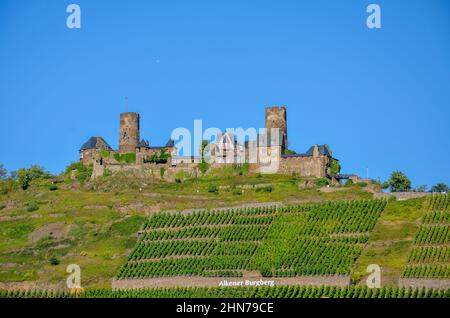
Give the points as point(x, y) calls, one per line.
point(430, 257)
point(239, 292)
point(310, 239)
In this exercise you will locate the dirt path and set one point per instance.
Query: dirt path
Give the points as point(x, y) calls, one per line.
point(243, 206)
point(425, 283)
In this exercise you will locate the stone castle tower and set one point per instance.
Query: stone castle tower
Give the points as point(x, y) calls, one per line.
point(129, 132)
point(276, 118)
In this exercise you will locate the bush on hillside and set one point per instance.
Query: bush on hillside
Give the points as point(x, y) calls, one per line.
point(105, 153)
point(335, 167)
point(26, 176)
point(3, 172)
point(182, 176)
point(203, 167)
point(322, 182)
point(107, 173)
point(241, 169)
point(54, 260)
point(237, 191)
point(264, 189)
point(32, 206)
point(212, 188)
point(82, 173)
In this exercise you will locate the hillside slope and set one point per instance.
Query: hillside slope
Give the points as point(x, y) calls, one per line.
point(391, 241)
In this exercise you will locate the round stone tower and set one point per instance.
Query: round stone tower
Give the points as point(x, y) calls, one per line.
point(129, 132)
point(276, 118)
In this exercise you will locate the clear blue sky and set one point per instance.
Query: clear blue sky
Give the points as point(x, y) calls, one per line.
point(379, 98)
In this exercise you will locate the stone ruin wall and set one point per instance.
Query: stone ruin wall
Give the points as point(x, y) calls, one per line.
point(153, 171)
point(305, 166)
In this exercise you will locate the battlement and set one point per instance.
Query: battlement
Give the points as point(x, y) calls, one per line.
point(276, 108)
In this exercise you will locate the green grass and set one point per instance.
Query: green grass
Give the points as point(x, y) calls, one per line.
point(391, 241)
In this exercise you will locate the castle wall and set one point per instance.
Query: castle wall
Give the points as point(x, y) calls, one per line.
point(153, 171)
point(305, 166)
point(129, 132)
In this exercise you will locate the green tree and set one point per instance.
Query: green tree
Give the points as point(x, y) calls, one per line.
point(289, 152)
point(83, 172)
point(26, 176)
point(421, 188)
point(203, 146)
point(335, 167)
point(398, 182)
point(440, 187)
point(203, 167)
point(3, 172)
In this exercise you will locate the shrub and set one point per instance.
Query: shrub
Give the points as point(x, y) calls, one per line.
point(52, 187)
point(241, 169)
point(264, 189)
point(335, 167)
point(26, 176)
point(161, 172)
point(2, 206)
point(237, 191)
point(182, 176)
point(162, 157)
point(3, 172)
point(203, 167)
point(322, 182)
point(32, 206)
point(107, 173)
point(289, 152)
point(54, 260)
point(3, 189)
point(349, 183)
point(105, 153)
point(213, 188)
point(83, 172)
point(128, 158)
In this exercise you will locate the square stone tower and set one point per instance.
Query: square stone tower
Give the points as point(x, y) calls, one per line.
point(129, 132)
point(276, 118)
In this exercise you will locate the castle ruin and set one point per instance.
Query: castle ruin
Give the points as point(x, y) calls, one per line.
point(272, 146)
